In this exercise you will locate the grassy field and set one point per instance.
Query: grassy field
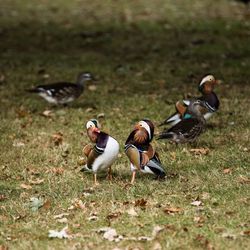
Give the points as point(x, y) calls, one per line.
point(146, 55)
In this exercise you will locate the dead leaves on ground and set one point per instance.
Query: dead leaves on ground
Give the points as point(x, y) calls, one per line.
point(200, 151)
point(110, 234)
point(172, 210)
point(57, 138)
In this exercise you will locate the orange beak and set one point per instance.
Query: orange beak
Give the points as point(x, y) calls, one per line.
point(96, 130)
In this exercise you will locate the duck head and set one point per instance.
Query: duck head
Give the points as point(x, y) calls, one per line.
point(82, 77)
point(197, 108)
point(144, 131)
point(207, 84)
point(93, 129)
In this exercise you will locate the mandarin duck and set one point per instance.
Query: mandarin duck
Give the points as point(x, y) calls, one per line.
point(103, 154)
point(62, 92)
point(141, 154)
point(210, 99)
point(191, 125)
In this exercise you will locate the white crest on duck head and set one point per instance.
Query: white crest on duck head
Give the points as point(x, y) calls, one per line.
point(207, 78)
point(93, 123)
point(149, 126)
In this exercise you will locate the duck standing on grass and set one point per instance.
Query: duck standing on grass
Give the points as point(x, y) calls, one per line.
point(191, 125)
point(62, 92)
point(103, 154)
point(210, 99)
point(141, 154)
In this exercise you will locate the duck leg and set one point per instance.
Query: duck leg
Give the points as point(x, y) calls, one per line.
point(109, 177)
point(96, 183)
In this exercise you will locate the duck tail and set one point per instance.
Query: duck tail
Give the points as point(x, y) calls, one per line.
point(174, 118)
point(166, 135)
point(32, 90)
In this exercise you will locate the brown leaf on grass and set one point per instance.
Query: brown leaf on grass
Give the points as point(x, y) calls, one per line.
point(3, 247)
point(200, 151)
point(32, 171)
point(113, 215)
point(57, 138)
point(21, 112)
point(36, 181)
point(173, 156)
point(57, 171)
point(77, 203)
point(204, 242)
point(141, 203)
point(25, 186)
point(46, 204)
point(172, 210)
point(227, 171)
point(246, 232)
point(244, 179)
point(2, 197)
point(199, 219)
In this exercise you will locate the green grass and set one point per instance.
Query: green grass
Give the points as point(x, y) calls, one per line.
point(146, 55)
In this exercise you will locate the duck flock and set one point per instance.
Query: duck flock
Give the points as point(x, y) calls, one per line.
point(185, 125)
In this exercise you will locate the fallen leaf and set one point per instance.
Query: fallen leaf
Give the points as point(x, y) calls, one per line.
point(18, 144)
point(157, 246)
point(47, 204)
point(132, 212)
point(36, 203)
point(244, 179)
point(77, 203)
point(156, 230)
point(229, 236)
point(2, 78)
point(88, 110)
point(92, 218)
point(59, 216)
point(2, 197)
point(198, 219)
point(63, 220)
point(113, 215)
point(144, 238)
point(171, 210)
point(92, 87)
point(21, 112)
point(196, 203)
point(36, 181)
point(57, 171)
point(63, 234)
point(140, 203)
point(246, 232)
point(2, 247)
point(199, 151)
point(25, 186)
point(227, 171)
point(110, 234)
point(47, 113)
point(57, 138)
point(101, 115)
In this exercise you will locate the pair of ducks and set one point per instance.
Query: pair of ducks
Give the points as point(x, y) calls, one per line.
point(138, 148)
